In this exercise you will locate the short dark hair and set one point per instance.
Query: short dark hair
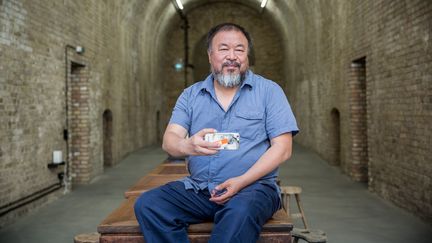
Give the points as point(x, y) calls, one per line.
point(227, 27)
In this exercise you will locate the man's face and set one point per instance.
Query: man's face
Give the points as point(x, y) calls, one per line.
point(228, 57)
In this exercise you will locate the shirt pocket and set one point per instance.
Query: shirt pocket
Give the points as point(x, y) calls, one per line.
point(249, 123)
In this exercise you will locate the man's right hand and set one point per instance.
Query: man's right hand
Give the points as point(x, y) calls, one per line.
point(175, 142)
point(196, 145)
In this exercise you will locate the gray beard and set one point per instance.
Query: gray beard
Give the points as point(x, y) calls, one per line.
point(229, 80)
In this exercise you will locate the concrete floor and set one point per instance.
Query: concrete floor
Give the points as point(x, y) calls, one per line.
point(345, 210)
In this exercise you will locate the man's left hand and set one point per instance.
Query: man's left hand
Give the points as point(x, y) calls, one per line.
point(231, 186)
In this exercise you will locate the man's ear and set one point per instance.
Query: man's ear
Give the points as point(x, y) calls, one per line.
point(208, 54)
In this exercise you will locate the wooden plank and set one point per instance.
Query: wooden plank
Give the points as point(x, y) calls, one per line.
point(123, 221)
point(170, 169)
point(87, 238)
point(121, 238)
point(175, 161)
point(278, 223)
point(194, 238)
point(149, 182)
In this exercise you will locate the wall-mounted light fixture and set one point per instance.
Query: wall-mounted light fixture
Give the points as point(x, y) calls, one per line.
point(79, 49)
point(179, 4)
point(179, 65)
point(57, 159)
point(263, 3)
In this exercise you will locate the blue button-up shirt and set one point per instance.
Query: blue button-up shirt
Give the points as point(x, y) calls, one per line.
point(259, 112)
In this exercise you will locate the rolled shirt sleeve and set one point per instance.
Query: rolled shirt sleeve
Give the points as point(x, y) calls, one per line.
point(180, 114)
point(280, 118)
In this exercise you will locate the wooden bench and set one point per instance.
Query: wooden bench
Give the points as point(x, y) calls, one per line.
point(161, 175)
point(122, 226)
point(170, 169)
point(149, 182)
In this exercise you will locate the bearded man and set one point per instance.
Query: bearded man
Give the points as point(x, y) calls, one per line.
point(236, 189)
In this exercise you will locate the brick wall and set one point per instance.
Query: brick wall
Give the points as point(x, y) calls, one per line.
point(392, 149)
point(307, 46)
point(34, 39)
point(396, 37)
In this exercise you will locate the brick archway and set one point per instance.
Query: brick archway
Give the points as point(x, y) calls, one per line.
point(79, 123)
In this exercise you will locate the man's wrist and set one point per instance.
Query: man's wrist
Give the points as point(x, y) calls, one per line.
point(245, 180)
point(183, 146)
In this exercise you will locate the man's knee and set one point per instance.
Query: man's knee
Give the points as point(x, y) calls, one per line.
point(145, 202)
point(155, 202)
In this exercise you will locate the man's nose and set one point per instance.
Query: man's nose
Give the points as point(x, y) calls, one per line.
point(231, 55)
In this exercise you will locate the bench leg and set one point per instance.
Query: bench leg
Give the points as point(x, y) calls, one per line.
point(297, 197)
point(286, 202)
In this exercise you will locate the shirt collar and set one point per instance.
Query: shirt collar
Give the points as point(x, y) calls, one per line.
point(249, 80)
point(209, 86)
